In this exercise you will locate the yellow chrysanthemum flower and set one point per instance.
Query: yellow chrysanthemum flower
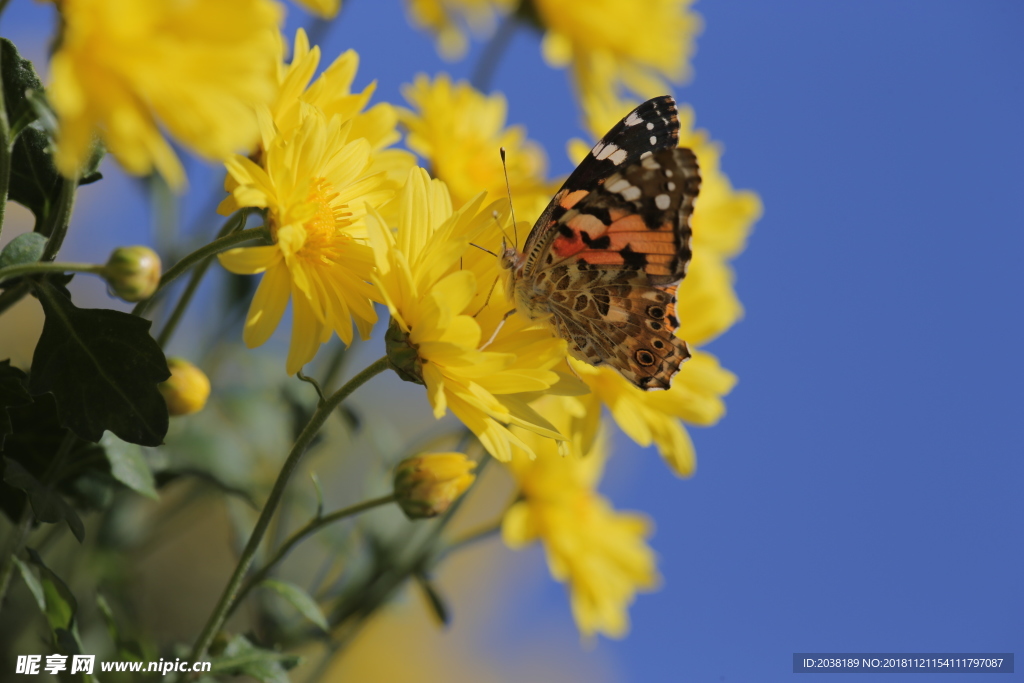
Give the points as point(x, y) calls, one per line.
point(613, 42)
point(600, 553)
point(459, 130)
point(425, 274)
point(316, 184)
point(447, 20)
point(656, 416)
point(332, 94)
point(325, 9)
point(124, 69)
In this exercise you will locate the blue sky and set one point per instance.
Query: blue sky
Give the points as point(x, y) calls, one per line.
point(864, 491)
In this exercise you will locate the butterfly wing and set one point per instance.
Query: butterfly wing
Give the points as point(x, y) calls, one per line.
point(611, 268)
point(651, 127)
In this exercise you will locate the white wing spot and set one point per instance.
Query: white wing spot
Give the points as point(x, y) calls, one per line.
point(649, 163)
point(645, 155)
point(618, 156)
point(617, 184)
point(654, 140)
point(597, 149)
point(650, 125)
point(662, 201)
point(607, 151)
point(631, 193)
point(668, 172)
point(633, 119)
point(671, 186)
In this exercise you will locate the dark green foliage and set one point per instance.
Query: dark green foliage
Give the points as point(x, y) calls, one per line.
point(35, 181)
point(103, 369)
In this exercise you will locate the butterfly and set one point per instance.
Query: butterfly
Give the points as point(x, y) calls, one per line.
point(602, 263)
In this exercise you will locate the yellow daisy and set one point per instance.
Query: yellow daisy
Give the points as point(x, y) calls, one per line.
point(600, 553)
point(331, 93)
point(657, 416)
point(315, 184)
point(125, 69)
point(615, 42)
point(448, 19)
point(425, 276)
point(459, 131)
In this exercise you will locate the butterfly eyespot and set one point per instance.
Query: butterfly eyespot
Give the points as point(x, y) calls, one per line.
point(644, 357)
point(658, 344)
point(656, 311)
point(654, 325)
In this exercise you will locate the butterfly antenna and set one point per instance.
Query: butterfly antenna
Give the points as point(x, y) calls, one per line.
point(515, 230)
point(483, 249)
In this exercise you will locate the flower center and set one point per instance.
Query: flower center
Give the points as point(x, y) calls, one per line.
point(324, 241)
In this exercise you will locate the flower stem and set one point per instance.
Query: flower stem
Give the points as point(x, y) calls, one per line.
point(55, 226)
point(224, 605)
point(212, 249)
point(310, 528)
point(483, 73)
point(231, 225)
point(35, 267)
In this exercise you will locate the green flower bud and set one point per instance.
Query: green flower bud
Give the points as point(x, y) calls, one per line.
point(133, 273)
point(427, 485)
point(187, 389)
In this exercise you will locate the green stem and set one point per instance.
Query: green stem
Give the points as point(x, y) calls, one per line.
point(378, 587)
point(35, 267)
point(55, 226)
point(223, 607)
point(211, 249)
point(231, 225)
point(310, 528)
point(483, 73)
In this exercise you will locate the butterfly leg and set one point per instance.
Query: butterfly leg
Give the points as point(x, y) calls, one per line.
point(497, 329)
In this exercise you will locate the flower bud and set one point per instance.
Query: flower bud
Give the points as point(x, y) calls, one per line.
point(425, 486)
point(133, 273)
point(187, 389)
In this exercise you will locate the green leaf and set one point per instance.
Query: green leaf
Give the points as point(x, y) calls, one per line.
point(19, 76)
point(240, 657)
point(299, 599)
point(25, 248)
point(34, 586)
point(47, 505)
point(103, 368)
point(12, 393)
point(61, 605)
point(128, 466)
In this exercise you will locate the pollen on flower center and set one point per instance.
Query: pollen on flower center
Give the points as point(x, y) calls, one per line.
point(324, 239)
